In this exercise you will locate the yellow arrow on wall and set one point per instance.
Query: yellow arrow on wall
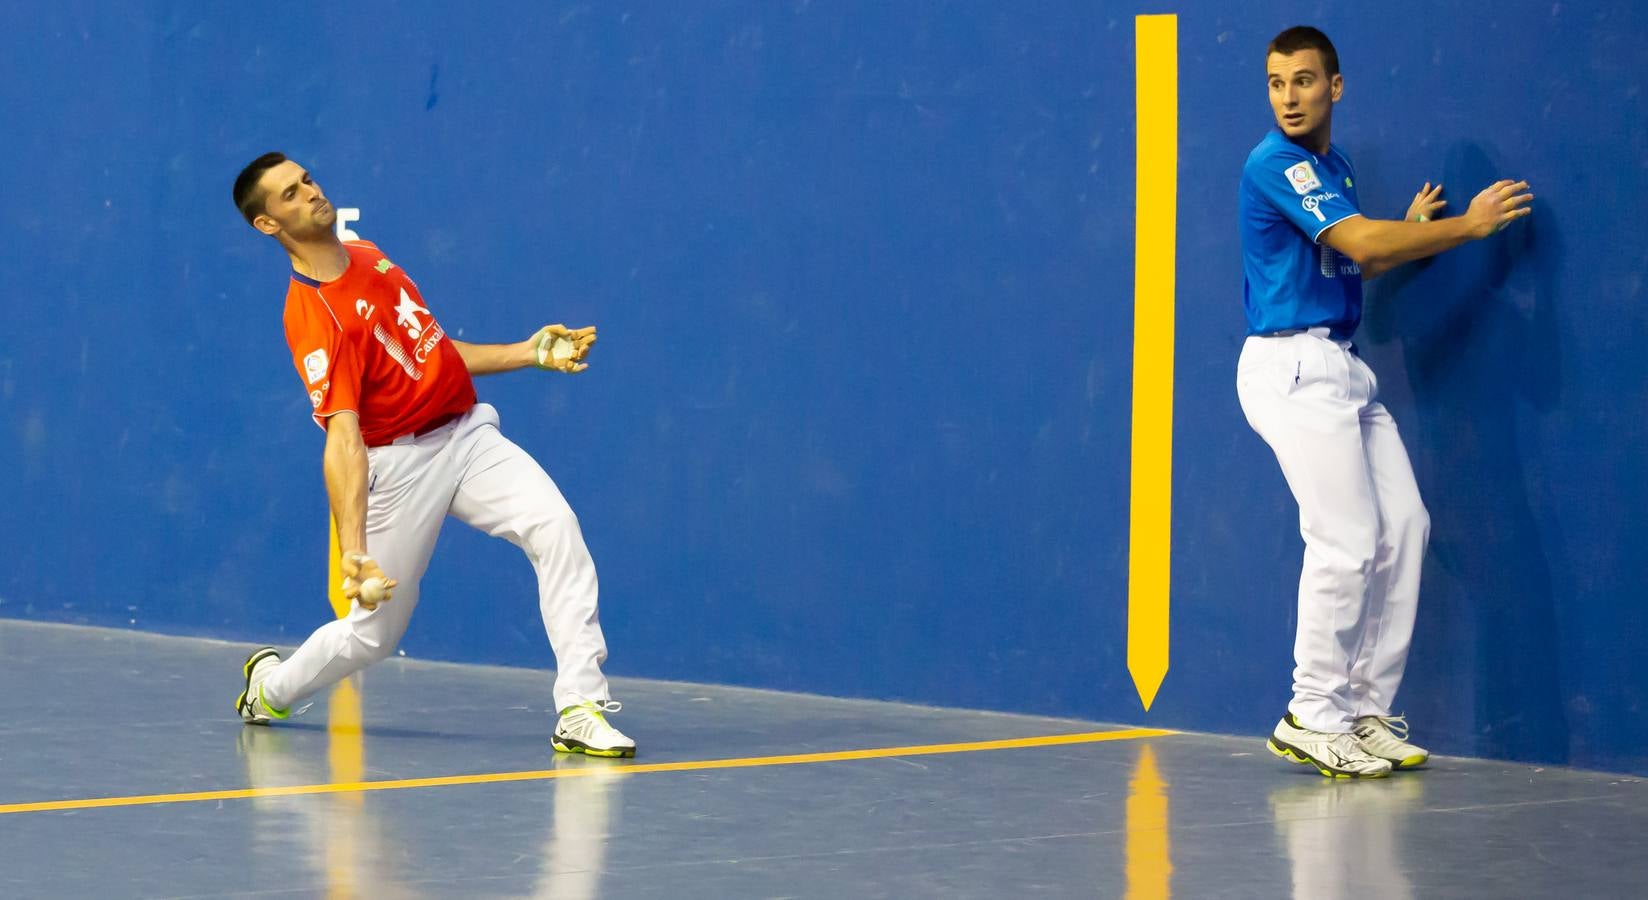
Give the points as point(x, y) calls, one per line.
point(1155, 200)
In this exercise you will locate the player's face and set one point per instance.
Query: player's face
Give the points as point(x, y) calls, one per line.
point(1302, 94)
point(294, 204)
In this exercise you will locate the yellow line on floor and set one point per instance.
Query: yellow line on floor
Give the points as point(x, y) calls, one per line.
point(1052, 740)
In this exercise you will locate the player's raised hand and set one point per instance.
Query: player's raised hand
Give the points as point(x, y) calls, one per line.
point(364, 581)
point(1499, 204)
point(1425, 203)
point(563, 349)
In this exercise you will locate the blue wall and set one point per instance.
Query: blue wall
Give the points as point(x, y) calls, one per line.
point(858, 420)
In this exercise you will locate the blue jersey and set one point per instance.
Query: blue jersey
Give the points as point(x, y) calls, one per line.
point(1290, 196)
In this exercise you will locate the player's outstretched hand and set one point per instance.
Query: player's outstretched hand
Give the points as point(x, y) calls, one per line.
point(364, 581)
point(1425, 203)
point(563, 349)
point(1499, 204)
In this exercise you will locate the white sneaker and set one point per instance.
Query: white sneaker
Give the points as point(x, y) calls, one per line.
point(250, 703)
point(1334, 755)
point(1387, 738)
point(584, 729)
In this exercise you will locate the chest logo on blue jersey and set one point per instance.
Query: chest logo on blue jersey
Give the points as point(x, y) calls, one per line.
point(1303, 178)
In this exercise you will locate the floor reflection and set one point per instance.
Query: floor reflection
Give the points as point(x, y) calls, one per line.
point(1149, 849)
point(586, 803)
point(333, 833)
point(1341, 837)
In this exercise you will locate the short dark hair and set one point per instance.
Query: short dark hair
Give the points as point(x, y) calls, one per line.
point(247, 196)
point(1304, 37)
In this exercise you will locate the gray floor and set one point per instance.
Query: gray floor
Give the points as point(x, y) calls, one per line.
point(91, 713)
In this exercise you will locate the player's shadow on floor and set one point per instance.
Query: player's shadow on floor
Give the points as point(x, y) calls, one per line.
point(392, 731)
point(1475, 332)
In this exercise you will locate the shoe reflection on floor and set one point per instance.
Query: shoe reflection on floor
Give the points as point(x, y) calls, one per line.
point(1341, 837)
point(334, 833)
point(586, 801)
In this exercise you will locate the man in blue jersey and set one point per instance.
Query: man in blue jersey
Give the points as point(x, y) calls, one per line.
point(1306, 249)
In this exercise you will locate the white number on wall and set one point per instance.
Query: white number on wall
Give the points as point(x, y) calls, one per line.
point(346, 215)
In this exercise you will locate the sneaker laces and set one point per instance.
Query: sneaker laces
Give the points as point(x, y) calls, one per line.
point(596, 706)
point(1350, 748)
point(1396, 725)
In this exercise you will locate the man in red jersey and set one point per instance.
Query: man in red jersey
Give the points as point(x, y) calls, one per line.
point(406, 446)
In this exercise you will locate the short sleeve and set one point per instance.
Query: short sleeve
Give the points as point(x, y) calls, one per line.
point(1289, 182)
point(330, 369)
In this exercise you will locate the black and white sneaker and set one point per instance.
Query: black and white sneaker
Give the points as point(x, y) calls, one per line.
point(1336, 755)
point(584, 729)
point(250, 704)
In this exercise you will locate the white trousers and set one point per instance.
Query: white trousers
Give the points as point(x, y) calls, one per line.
point(468, 470)
point(1365, 528)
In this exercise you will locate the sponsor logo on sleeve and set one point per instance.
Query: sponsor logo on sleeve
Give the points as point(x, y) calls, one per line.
point(1311, 203)
point(315, 398)
point(1303, 178)
point(314, 365)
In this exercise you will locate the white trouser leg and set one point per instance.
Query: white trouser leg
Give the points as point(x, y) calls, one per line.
point(1393, 592)
point(410, 485)
point(1306, 395)
point(505, 493)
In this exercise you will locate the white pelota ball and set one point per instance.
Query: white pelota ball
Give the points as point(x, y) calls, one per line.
point(373, 590)
point(560, 348)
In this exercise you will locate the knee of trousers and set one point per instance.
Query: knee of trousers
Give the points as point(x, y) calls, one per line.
point(1412, 524)
point(374, 638)
point(1347, 555)
point(1359, 565)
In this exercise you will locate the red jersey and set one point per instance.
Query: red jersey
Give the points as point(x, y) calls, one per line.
point(365, 343)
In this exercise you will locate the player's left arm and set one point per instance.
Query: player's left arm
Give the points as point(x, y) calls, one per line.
point(1379, 245)
point(1427, 201)
point(486, 359)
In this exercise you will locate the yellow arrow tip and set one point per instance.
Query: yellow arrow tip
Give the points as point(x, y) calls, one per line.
point(1147, 680)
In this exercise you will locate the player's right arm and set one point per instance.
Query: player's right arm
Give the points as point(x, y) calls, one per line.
point(1379, 245)
point(344, 462)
